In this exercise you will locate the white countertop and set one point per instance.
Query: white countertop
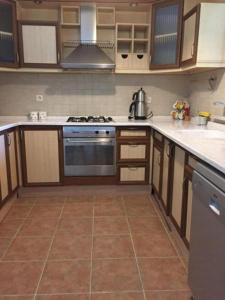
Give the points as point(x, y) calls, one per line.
point(206, 142)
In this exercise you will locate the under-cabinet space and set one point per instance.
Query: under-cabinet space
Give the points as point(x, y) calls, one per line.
point(39, 44)
point(70, 38)
point(41, 156)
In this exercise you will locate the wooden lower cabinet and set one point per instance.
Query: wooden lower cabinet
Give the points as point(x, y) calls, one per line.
point(133, 174)
point(157, 169)
point(133, 155)
point(167, 168)
point(12, 153)
point(177, 187)
point(3, 169)
point(41, 156)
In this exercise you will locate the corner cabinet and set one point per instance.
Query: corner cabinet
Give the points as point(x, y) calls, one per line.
point(203, 40)
point(41, 155)
point(39, 44)
point(166, 34)
point(8, 34)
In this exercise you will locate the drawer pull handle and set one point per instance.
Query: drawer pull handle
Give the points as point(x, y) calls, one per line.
point(133, 145)
point(132, 168)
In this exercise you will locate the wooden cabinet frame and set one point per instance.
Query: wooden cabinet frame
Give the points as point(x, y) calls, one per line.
point(14, 64)
point(7, 157)
point(23, 154)
point(192, 61)
point(159, 147)
point(21, 52)
point(179, 31)
point(133, 163)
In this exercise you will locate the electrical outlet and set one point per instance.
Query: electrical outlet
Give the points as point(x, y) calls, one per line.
point(39, 98)
point(149, 99)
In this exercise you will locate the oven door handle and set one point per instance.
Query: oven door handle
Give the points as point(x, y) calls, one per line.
point(96, 141)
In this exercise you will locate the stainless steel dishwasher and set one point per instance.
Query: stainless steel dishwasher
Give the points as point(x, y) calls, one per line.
point(207, 244)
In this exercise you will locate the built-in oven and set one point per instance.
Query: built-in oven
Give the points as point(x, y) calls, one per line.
point(89, 151)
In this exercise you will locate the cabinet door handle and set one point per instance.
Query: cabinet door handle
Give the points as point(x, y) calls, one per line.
point(132, 168)
point(9, 139)
point(192, 50)
point(133, 145)
point(159, 160)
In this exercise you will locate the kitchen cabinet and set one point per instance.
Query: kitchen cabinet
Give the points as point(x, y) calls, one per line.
point(157, 160)
point(3, 168)
point(177, 187)
point(41, 153)
point(39, 44)
point(167, 165)
point(203, 36)
point(133, 154)
point(166, 34)
point(8, 34)
point(190, 166)
point(12, 158)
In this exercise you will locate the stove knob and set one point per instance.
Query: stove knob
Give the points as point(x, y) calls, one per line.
point(107, 132)
point(109, 119)
point(97, 132)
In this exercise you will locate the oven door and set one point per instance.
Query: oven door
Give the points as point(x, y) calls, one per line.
point(89, 157)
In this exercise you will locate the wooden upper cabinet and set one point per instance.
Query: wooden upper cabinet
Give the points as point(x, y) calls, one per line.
point(41, 157)
point(190, 36)
point(166, 34)
point(8, 34)
point(203, 36)
point(39, 44)
point(4, 187)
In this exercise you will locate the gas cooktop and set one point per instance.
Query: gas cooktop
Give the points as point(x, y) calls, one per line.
point(90, 119)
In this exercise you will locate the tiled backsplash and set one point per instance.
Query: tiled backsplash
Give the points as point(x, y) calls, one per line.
point(87, 94)
point(202, 97)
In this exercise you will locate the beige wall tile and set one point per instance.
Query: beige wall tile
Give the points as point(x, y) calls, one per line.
point(87, 94)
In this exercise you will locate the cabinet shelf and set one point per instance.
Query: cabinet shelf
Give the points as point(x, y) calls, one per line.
point(70, 15)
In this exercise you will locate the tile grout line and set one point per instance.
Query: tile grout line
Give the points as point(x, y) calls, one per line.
point(16, 234)
point(135, 255)
point(49, 250)
point(170, 238)
point(92, 247)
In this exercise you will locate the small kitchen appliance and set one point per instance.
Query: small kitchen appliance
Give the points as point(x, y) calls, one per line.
point(137, 108)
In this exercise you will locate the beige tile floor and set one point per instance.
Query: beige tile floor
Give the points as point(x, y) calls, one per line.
point(88, 245)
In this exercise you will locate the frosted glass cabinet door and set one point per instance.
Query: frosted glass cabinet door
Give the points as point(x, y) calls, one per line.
point(166, 32)
point(39, 43)
point(8, 39)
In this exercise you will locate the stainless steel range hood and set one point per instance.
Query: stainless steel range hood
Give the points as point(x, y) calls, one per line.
point(88, 55)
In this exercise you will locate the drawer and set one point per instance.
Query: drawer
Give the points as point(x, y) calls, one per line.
point(123, 61)
point(133, 174)
point(132, 151)
point(133, 132)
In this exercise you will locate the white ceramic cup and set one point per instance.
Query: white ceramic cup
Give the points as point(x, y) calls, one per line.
point(33, 115)
point(42, 115)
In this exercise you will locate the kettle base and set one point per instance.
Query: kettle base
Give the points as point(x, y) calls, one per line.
point(140, 118)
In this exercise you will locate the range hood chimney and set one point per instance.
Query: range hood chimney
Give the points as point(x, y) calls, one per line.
point(88, 55)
